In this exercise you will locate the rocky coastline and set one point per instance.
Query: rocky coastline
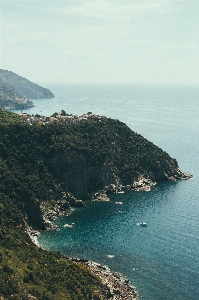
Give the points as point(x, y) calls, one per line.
point(49, 211)
point(16, 104)
point(115, 287)
point(143, 184)
point(46, 171)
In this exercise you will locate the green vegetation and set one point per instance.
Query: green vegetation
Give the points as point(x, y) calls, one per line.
point(11, 98)
point(39, 163)
point(9, 117)
point(24, 86)
point(15, 91)
point(8, 92)
point(26, 270)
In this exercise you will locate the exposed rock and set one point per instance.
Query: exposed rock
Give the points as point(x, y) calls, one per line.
point(77, 259)
point(75, 203)
point(100, 197)
point(34, 215)
point(115, 287)
point(182, 175)
point(142, 185)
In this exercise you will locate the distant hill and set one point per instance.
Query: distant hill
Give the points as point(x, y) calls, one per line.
point(8, 92)
point(11, 98)
point(24, 86)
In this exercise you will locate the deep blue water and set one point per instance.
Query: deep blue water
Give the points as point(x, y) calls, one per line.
point(162, 259)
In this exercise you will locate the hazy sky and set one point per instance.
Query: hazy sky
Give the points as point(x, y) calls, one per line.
point(101, 41)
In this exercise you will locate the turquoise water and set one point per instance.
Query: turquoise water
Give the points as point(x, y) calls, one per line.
point(162, 259)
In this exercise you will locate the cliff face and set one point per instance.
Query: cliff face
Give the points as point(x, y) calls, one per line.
point(108, 152)
point(24, 86)
point(80, 176)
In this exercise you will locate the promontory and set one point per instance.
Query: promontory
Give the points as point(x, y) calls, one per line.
point(49, 167)
point(15, 91)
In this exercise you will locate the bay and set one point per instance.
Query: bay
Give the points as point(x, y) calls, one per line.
point(162, 259)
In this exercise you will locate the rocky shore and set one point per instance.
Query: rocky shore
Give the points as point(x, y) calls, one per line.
point(115, 287)
point(143, 184)
point(50, 210)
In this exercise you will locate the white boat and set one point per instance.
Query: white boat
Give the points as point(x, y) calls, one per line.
point(68, 225)
point(143, 224)
point(110, 255)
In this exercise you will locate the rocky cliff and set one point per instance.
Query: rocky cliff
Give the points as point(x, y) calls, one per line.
point(106, 153)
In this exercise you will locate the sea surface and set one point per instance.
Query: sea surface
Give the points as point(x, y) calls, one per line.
point(162, 259)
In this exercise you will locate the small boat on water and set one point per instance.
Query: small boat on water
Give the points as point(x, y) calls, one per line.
point(143, 224)
point(110, 255)
point(68, 225)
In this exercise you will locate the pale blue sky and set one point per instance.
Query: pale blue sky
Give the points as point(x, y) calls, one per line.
point(101, 41)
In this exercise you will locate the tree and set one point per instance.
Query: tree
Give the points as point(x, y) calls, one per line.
point(63, 113)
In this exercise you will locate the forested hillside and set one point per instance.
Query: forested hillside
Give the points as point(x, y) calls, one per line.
point(10, 97)
point(23, 85)
point(55, 163)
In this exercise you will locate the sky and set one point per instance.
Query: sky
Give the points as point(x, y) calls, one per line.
point(101, 41)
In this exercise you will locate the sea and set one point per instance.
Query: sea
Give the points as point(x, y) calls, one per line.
point(161, 260)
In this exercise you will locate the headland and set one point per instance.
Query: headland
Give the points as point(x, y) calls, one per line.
point(47, 170)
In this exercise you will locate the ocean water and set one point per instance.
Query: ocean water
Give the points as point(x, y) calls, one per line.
point(162, 259)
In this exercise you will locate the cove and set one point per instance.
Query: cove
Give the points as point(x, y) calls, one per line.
point(152, 257)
